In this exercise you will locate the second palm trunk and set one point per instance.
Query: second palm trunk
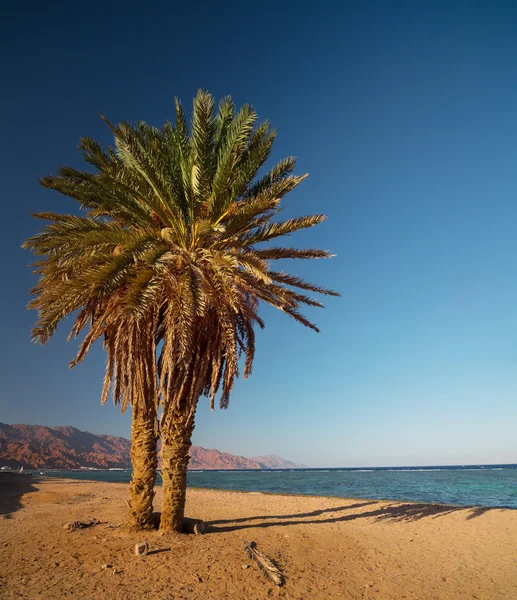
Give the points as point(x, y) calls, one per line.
point(176, 443)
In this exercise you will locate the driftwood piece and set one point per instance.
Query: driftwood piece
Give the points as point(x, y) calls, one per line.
point(81, 524)
point(264, 563)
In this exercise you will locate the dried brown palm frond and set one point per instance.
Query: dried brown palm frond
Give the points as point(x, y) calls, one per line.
point(267, 566)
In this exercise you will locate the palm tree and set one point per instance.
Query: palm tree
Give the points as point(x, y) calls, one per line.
point(168, 268)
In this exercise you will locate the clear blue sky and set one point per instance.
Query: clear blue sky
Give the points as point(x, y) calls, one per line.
point(405, 116)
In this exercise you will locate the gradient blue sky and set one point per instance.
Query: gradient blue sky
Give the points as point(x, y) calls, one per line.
point(405, 116)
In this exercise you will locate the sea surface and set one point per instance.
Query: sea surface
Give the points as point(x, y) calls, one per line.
point(474, 485)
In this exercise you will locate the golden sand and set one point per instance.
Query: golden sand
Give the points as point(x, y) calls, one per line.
point(325, 547)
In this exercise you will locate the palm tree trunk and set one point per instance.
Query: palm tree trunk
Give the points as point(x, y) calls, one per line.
point(144, 436)
point(176, 442)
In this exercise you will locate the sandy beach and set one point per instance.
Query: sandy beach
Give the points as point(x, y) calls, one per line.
point(325, 547)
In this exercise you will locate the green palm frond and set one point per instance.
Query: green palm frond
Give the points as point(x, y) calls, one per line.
point(272, 230)
point(202, 143)
point(272, 253)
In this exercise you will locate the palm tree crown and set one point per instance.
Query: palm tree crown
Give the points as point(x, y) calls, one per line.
point(168, 259)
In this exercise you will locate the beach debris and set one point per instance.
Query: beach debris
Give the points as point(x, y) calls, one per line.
point(113, 525)
point(141, 549)
point(199, 528)
point(245, 566)
point(81, 524)
point(117, 571)
point(196, 526)
point(264, 563)
point(107, 566)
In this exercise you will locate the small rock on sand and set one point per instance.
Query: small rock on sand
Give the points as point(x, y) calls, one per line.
point(141, 549)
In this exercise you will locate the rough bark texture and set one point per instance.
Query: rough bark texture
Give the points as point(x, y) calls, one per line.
point(144, 436)
point(176, 442)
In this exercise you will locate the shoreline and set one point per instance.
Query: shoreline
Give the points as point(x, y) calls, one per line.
point(349, 549)
point(299, 495)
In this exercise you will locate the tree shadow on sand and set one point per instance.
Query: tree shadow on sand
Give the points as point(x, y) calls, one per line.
point(12, 488)
point(315, 513)
point(399, 512)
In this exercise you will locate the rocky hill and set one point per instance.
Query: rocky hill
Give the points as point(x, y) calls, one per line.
point(60, 448)
point(272, 461)
point(202, 458)
point(38, 447)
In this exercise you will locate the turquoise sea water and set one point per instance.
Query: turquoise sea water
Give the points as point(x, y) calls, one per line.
point(484, 485)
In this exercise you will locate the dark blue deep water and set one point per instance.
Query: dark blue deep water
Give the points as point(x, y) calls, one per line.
point(483, 485)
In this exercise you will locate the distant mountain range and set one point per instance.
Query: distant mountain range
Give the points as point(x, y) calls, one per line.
point(38, 447)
